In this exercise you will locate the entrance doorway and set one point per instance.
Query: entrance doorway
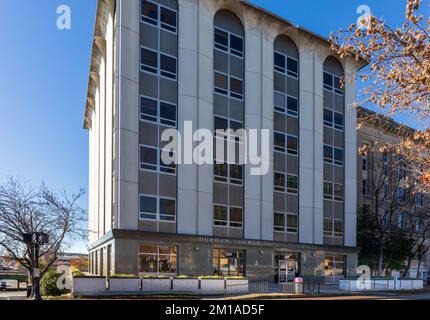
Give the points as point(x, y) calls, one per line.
point(287, 266)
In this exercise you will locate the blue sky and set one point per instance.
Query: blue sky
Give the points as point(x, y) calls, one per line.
point(44, 73)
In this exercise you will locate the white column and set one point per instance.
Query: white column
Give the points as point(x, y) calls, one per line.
point(127, 132)
point(350, 160)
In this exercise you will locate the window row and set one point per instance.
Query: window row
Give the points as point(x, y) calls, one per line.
point(155, 208)
point(286, 143)
point(228, 85)
point(159, 16)
point(232, 173)
point(333, 227)
point(332, 83)
point(333, 191)
point(286, 65)
point(285, 182)
point(228, 42)
point(333, 119)
point(158, 63)
point(333, 155)
point(227, 216)
point(150, 158)
point(286, 104)
point(285, 222)
point(158, 111)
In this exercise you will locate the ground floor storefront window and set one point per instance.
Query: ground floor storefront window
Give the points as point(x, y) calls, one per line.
point(287, 266)
point(229, 262)
point(157, 260)
point(334, 265)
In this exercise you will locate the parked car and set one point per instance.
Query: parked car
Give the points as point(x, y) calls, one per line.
point(8, 284)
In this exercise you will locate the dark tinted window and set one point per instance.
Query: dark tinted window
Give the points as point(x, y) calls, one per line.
point(168, 19)
point(149, 12)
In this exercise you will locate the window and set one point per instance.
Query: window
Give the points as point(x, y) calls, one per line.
point(292, 106)
point(279, 141)
point(286, 65)
point(233, 219)
point(229, 42)
point(149, 111)
point(148, 207)
point(279, 181)
point(167, 209)
point(332, 83)
point(229, 262)
point(168, 19)
point(386, 190)
point(328, 154)
point(220, 172)
point(153, 208)
point(292, 184)
point(148, 158)
point(236, 176)
point(400, 194)
point(292, 145)
point(285, 222)
point(333, 119)
point(364, 163)
point(148, 60)
point(338, 156)
point(333, 227)
point(236, 219)
point(222, 83)
point(338, 192)
point(159, 16)
point(401, 220)
point(157, 63)
point(328, 190)
point(220, 216)
point(151, 159)
point(334, 265)
point(157, 260)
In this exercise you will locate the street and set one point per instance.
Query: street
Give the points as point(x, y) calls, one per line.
point(12, 295)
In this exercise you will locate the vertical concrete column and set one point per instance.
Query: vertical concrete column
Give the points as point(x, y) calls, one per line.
point(127, 131)
point(306, 144)
point(205, 31)
point(253, 120)
point(267, 103)
point(318, 124)
point(350, 159)
point(187, 111)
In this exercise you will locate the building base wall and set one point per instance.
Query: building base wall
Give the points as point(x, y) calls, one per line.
point(195, 255)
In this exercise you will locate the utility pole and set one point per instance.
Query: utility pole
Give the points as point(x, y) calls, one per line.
point(35, 240)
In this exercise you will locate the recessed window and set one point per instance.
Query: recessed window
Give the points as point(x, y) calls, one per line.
point(328, 154)
point(328, 118)
point(220, 172)
point(157, 260)
point(220, 216)
point(167, 209)
point(332, 83)
point(220, 123)
point(338, 121)
point(333, 119)
point(148, 207)
point(236, 88)
point(168, 19)
point(328, 190)
point(236, 217)
point(333, 227)
point(292, 106)
point(221, 83)
point(170, 166)
point(148, 158)
point(292, 145)
point(292, 223)
point(292, 67)
point(285, 222)
point(168, 66)
point(338, 192)
point(338, 156)
point(159, 16)
point(150, 12)
point(148, 60)
point(228, 42)
point(279, 221)
point(279, 62)
point(292, 184)
point(168, 114)
point(279, 141)
point(286, 65)
point(236, 174)
point(279, 181)
point(148, 109)
point(279, 102)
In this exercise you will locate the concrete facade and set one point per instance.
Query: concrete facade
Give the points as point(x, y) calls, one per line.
point(113, 118)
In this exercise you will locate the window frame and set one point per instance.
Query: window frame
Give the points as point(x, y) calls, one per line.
point(285, 71)
point(159, 71)
point(229, 50)
point(158, 119)
point(158, 23)
point(228, 222)
point(157, 214)
point(158, 166)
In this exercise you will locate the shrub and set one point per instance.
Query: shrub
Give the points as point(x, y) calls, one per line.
point(123, 275)
point(48, 284)
point(76, 272)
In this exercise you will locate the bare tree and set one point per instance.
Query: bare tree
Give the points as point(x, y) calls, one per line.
point(390, 193)
point(27, 210)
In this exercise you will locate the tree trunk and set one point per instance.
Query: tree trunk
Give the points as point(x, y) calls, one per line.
point(380, 257)
point(408, 266)
point(419, 265)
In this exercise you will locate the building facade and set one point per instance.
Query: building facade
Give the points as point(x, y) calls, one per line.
point(157, 64)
